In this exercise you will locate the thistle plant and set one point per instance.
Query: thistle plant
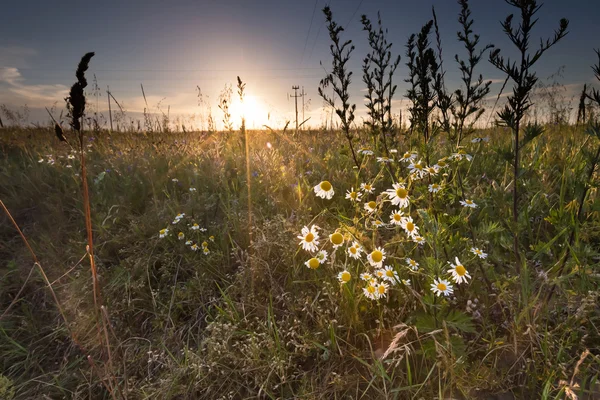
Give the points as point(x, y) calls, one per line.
point(468, 100)
point(240, 87)
point(339, 79)
point(524, 80)
point(378, 70)
point(224, 103)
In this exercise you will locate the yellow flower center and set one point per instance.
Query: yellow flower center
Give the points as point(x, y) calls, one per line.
point(442, 286)
point(468, 202)
point(326, 186)
point(397, 217)
point(371, 289)
point(204, 244)
point(462, 152)
point(313, 263)
point(441, 163)
point(368, 187)
point(389, 273)
point(337, 238)
point(401, 193)
point(377, 256)
point(353, 195)
point(418, 166)
point(353, 250)
point(410, 226)
point(372, 204)
point(346, 276)
point(460, 270)
point(381, 289)
point(309, 237)
point(162, 231)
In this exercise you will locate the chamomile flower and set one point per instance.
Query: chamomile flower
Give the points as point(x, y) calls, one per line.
point(409, 226)
point(417, 170)
point(192, 189)
point(396, 218)
point(383, 160)
point(380, 273)
point(435, 187)
point(432, 170)
point(211, 238)
point(195, 227)
point(370, 291)
point(478, 252)
point(460, 155)
point(468, 203)
point(367, 187)
point(336, 239)
point(204, 245)
point(458, 271)
point(393, 151)
point(390, 275)
point(175, 221)
point(353, 196)
point(406, 282)
point(441, 287)
point(71, 157)
point(344, 277)
point(377, 223)
point(309, 238)
point(382, 289)
point(180, 216)
point(180, 236)
point(313, 263)
point(163, 233)
point(418, 239)
point(175, 180)
point(69, 166)
point(408, 157)
point(188, 242)
point(398, 195)
point(202, 229)
point(321, 256)
point(412, 264)
point(371, 206)
point(355, 250)
point(194, 247)
point(365, 276)
point(376, 257)
point(41, 160)
point(324, 190)
point(206, 251)
point(441, 163)
point(366, 152)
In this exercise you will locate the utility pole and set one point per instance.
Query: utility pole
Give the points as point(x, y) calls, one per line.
point(109, 110)
point(295, 96)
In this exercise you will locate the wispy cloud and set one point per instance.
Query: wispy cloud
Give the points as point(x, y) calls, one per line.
point(18, 92)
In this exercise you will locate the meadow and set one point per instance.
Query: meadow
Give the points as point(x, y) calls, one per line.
point(439, 261)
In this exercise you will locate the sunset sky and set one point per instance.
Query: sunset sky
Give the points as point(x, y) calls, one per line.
point(172, 47)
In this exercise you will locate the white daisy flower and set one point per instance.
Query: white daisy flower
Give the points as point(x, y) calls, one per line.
point(192, 189)
point(396, 218)
point(384, 160)
point(435, 187)
point(408, 157)
point(418, 239)
point(460, 155)
point(393, 151)
point(324, 190)
point(382, 289)
point(180, 236)
point(441, 163)
point(409, 227)
point(371, 206)
point(309, 238)
point(432, 170)
point(380, 273)
point(195, 227)
point(376, 257)
point(175, 180)
point(194, 247)
point(468, 203)
point(163, 233)
point(202, 229)
point(206, 251)
point(355, 250)
point(365, 276)
point(313, 263)
point(188, 242)
point(406, 282)
point(412, 264)
point(398, 195)
point(41, 160)
point(366, 187)
point(377, 223)
point(180, 216)
point(69, 166)
point(344, 277)
point(458, 271)
point(175, 221)
point(336, 239)
point(478, 252)
point(211, 238)
point(370, 291)
point(390, 275)
point(417, 170)
point(441, 286)
point(321, 256)
point(353, 196)
point(71, 157)
point(366, 152)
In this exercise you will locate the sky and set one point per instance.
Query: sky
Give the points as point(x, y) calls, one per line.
point(175, 47)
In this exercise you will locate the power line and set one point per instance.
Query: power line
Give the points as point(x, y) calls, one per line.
point(353, 15)
point(309, 28)
point(174, 70)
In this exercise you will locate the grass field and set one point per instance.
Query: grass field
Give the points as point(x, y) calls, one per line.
point(249, 319)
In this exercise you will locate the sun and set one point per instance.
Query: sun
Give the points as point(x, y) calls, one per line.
point(251, 109)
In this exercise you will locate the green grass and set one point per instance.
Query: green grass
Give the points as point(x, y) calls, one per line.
point(249, 320)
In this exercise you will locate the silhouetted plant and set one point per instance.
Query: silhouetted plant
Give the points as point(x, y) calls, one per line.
point(378, 70)
point(224, 103)
point(468, 100)
point(240, 87)
point(581, 110)
point(524, 81)
point(339, 78)
point(444, 100)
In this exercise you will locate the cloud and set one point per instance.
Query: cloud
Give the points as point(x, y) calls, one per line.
point(18, 92)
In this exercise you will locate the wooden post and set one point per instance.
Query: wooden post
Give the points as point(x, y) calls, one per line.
point(109, 110)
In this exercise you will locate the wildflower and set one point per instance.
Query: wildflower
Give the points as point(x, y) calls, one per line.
point(408, 157)
point(195, 227)
point(354, 250)
point(366, 187)
point(366, 152)
point(353, 196)
point(406, 282)
point(398, 195)
point(435, 187)
point(382, 289)
point(480, 139)
point(192, 189)
point(175, 180)
point(412, 264)
point(376, 257)
point(71, 157)
point(441, 163)
point(206, 251)
point(313, 263)
point(441, 286)
point(180, 236)
point(309, 238)
point(458, 271)
point(202, 229)
point(175, 221)
point(344, 276)
point(163, 233)
point(370, 291)
point(393, 151)
point(211, 238)
point(418, 239)
point(380, 273)
point(370, 206)
point(390, 275)
point(204, 245)
point(468, 203)
point(324, 190)
point(478, 252)
point(409, 226)
point(460, 155)
point(377, 223)
point(41, 160)
point(336, 239)
point(194, 247)
point(384, 160)
point(188, 242)
point(396, 218)
point(365, 276)
point(180, 216)
point(321, 256)
point(432, 170)
point(69, 166)
point(417, 170)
